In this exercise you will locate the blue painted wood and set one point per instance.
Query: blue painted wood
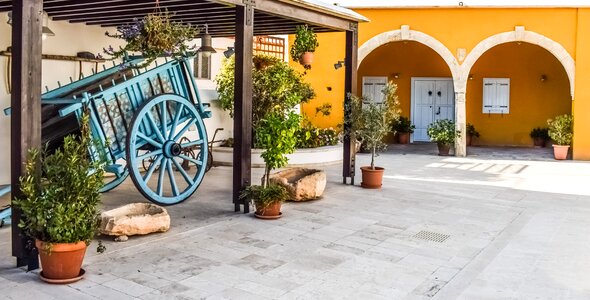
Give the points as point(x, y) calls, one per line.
point(149, 112)
point(5, 215)
point(157, 140)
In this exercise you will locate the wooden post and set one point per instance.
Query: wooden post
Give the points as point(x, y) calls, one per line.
point(243, 102)
point(26, 109)
point(350, 84)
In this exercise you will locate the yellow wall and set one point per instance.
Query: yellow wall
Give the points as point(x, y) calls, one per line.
point(409, 59)
point(464, 28)
point(582, 94)
point(327, 82)
point(532, 101)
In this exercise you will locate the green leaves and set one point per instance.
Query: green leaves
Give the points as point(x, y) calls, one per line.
point(61, 191)
point(443, 132)
point(561, 129)
point(277, 87)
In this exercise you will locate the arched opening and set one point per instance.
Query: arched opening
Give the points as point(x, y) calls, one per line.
point(424, 80)
point(511, 89)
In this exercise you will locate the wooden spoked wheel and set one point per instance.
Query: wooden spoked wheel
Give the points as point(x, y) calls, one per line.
point(156, 133)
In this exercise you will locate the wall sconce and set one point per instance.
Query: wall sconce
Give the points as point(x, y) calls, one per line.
point(9, 22)
point(396, 75)
point(470, 77)
point(229, 52)
point(206, 43)
point(543, 78)
point(338, 65)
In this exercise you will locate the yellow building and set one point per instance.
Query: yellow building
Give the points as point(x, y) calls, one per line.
point(505, 70)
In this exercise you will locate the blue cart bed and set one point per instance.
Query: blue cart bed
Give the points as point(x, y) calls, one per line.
point(142, 119)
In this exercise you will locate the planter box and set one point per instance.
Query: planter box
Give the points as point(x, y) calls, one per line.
point(313, 157)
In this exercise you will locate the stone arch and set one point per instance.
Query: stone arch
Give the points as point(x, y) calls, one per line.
point(521, 35)
point(405, 34)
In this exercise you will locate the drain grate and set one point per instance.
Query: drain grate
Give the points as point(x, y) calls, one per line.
point(432, 236)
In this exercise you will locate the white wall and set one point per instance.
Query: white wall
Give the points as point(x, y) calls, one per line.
point(72, 38)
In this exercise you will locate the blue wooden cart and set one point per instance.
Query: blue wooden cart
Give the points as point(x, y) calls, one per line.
point(137, 115)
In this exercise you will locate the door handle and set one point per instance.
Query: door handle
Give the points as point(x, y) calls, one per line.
point(438, 112)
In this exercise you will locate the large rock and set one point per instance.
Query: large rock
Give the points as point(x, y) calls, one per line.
point(302, 184)
point(134, 219)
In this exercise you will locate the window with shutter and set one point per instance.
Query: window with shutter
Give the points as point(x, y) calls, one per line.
point(373, 88)
point(496, 96)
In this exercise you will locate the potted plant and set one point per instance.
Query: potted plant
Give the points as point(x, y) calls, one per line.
point(60, 205)
point(540, 136)
point(369, 122)
point(443, 132)
point(276, 134)
point(471, 133)
point(304, 46)
point(403, 128)
point(561, 132)
point(153, 36)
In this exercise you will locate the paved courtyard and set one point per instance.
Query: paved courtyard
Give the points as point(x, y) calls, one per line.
point(498, 224)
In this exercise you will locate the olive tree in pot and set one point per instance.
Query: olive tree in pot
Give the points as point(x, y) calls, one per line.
point(561, 132)
point(304, 46)
point(60, 205)
point(443, 132)
point(276, 134)
point(369, 123)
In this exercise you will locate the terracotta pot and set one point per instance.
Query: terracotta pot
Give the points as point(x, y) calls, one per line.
point(403, 137)
point(539, 142)
point(271, 211)
point(372, 179)
point(62, 261)
point(469, 139)
point(443, 149)
point(560, 152)
point(306, 59)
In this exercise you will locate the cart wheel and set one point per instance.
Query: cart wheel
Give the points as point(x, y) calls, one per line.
point(113, 182)
point(161, 122)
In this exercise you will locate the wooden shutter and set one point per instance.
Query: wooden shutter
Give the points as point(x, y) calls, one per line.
point(496, 96)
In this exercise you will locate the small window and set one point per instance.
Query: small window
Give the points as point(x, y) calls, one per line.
point(496, 95)
point(202, 66)
point(373, 88)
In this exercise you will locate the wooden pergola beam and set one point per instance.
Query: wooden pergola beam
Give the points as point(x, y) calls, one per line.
point(243, 92)
point(25, 101)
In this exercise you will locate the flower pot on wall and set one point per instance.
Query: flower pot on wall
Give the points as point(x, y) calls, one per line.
point(560, 152)
point(372, 178)
point(60, 261)
point(306, 59)
point(443, 149)
point(403, 137)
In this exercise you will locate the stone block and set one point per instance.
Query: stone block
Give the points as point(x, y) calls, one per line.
point(303, 184)
point(135, 219)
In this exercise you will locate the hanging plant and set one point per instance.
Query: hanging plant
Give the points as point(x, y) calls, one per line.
point(306, 41)
point(156, 35)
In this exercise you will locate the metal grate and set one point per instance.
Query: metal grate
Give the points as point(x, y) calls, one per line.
point(432, 236)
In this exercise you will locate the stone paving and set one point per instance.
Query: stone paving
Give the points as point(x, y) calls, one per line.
point(488, 226)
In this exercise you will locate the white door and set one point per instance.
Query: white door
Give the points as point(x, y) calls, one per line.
point(432, 99)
